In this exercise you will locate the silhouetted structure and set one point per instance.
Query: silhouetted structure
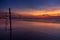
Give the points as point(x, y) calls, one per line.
point(10, 24)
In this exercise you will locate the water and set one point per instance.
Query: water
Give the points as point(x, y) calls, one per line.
point(29, 30)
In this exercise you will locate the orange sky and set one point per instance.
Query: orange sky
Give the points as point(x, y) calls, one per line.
point(51, 12)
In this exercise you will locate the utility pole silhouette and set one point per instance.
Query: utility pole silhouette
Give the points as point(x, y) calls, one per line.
point(10, 23)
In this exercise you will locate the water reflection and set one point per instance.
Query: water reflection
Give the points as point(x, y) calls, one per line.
point(27, 30)
point(47, 30)
point(37, 26)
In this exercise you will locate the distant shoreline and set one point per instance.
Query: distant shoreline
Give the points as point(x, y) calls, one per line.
point(41, 20)
point(46, 20)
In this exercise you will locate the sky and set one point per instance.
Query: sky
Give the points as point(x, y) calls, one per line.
point(47, 6)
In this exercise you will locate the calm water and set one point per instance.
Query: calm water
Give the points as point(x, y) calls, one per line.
point(27, 30)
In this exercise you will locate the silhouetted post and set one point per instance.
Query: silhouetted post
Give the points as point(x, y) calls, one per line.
point(10, 24)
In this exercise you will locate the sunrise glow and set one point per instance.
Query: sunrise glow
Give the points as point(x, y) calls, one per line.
point(51, 12)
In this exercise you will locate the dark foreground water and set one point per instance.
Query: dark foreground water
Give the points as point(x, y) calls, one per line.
point(27, 30)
